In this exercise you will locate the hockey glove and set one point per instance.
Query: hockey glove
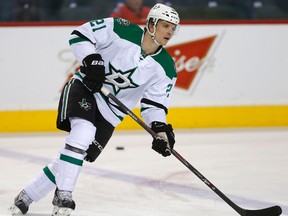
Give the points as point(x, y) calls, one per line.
point(94, 69)
point(165, 140)
point(93, 151)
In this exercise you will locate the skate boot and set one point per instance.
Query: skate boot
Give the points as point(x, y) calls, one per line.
point(63, 203)
point(21, 204)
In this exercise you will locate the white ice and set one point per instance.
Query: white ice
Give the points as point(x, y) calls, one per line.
point(250, 166)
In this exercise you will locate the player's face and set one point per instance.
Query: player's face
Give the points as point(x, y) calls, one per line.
point(164, 31)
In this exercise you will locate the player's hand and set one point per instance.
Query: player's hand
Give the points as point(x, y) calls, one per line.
point(164, 143)
point(94, 69)
point(93, 151)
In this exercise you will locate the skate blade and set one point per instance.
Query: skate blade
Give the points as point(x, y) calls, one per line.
point(14, 210)
point(61, 211)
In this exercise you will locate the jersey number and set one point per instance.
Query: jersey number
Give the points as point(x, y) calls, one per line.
point(169, 88)
point(97, 24)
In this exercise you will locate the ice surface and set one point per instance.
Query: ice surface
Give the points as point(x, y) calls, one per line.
point(247, 165)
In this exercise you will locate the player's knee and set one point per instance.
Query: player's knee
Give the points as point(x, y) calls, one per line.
point(82, 133)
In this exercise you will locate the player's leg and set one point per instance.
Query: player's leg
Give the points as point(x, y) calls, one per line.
point(70, 164)
point(39, 187)
point(103, 134)
point(71, 97)
point(76, 114)
point(64, 170)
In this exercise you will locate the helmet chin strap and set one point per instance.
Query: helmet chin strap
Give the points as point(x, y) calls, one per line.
point(153, 35)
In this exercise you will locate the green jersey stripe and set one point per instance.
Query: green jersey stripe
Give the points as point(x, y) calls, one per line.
point(49, 174)
point(76, 40)
point(71, 160)
point(131, 32)
point(65, 99)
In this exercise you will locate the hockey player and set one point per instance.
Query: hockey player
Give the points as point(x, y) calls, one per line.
point(133, 65)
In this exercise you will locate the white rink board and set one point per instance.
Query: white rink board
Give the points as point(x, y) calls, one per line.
point(246, 65)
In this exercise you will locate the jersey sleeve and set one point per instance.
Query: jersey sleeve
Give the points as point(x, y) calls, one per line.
point(91, 37)
point(156, 100)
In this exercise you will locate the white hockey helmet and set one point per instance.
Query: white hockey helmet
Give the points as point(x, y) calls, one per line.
point(163, 12)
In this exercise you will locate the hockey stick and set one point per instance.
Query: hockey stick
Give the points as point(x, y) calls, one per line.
point(271, 211)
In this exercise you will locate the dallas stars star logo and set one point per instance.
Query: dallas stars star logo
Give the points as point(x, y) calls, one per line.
point(84, 104)
point(120, 79)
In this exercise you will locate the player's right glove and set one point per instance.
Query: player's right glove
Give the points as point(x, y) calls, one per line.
point(165, 140)
point(94, 69)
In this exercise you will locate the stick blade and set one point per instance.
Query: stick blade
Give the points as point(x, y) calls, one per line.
point(271, 211)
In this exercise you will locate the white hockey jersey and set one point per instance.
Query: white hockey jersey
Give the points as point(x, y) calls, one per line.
point(131, 75)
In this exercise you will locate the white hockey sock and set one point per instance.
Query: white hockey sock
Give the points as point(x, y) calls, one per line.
point(80, 137)
point(44, 182)
point(70, 165)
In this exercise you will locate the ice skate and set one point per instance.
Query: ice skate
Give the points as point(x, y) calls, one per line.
point(63, 203)
point(21, 204)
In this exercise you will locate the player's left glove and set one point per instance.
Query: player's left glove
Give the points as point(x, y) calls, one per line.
point(165, 140)
point(93, 151)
